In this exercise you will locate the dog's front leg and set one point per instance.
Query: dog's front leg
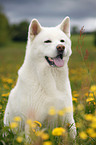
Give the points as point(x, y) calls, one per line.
point(70, 121)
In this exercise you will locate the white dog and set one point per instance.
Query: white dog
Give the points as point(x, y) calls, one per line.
point(43, 79)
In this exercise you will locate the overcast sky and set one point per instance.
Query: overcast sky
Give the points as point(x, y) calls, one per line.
point(52, 12)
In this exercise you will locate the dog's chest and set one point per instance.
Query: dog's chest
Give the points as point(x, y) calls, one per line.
point(60, 80)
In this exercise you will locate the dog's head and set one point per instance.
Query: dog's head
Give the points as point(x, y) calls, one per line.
point(50, 45)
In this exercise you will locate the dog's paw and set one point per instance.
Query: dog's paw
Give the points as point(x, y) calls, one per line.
point(73, 132)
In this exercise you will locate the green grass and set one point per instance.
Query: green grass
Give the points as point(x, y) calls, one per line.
point(82, 76)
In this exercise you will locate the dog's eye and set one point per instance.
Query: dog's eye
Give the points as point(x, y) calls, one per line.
point(47, 41)
point(62, 40)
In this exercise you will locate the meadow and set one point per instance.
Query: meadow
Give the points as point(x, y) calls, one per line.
point(82, 75)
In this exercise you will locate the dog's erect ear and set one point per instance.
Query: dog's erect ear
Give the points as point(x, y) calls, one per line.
point(65, 26)
point(34, 28)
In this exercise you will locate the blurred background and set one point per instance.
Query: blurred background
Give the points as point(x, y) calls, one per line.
point(15, 16)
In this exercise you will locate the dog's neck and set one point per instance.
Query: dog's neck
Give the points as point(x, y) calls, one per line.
point(49, 78)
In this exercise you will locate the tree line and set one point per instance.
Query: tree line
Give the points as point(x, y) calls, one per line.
point(15, 32)
point(19, 32)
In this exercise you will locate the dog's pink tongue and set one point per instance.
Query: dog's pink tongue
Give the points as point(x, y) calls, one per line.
point(58, 61)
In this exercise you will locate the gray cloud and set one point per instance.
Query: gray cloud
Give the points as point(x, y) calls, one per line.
point(47, 10)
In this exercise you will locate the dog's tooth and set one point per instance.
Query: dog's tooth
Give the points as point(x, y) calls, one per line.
point(50, 59)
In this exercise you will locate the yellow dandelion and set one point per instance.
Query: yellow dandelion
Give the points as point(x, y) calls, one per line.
point(76, 95)
point(38, 123)
point(61, 112)
point(3, 110)
point(95, 93)
point(58, 131)
point(89, 99)
point(5, 95)
point(93, 125)
point(65, 110)
point(7, 80)
point(93, 88)
point(31, 123)
point(86, 94)
point(83, 135)
point(91, 132)
point(47, 143)
point(88, 117)
point(13, 125)
point(17, 118)
point(38, 133)
point(52, 111)
point(45, 136)
point(94, 103)
point(94, 119)
point(74, 99)
point(68, 109)
point(91, 95)
point(19, 139)
point(93, 135)
point(0, 107)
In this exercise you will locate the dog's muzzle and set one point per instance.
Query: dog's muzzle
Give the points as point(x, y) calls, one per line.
point(57, 61)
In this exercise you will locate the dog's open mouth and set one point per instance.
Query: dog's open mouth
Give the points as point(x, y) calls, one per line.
point(57, 61)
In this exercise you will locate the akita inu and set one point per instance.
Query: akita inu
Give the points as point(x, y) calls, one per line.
point(43, 79)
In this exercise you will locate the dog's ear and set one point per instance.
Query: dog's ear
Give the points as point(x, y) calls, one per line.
point(65, 26)
point(34, 28)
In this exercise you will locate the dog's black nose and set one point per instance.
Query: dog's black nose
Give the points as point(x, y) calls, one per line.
point(60, 48)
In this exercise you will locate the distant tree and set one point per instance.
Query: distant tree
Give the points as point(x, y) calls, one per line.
point(4, 29)
point(95, 38)
point(74, 30)
point(19, 31)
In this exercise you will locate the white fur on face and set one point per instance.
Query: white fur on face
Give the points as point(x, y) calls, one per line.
point(38, 35)
point(54, 34)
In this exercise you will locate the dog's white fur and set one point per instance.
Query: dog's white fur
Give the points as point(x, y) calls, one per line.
point(40, 86)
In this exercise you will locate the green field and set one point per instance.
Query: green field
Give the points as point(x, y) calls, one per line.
point(82, 74)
